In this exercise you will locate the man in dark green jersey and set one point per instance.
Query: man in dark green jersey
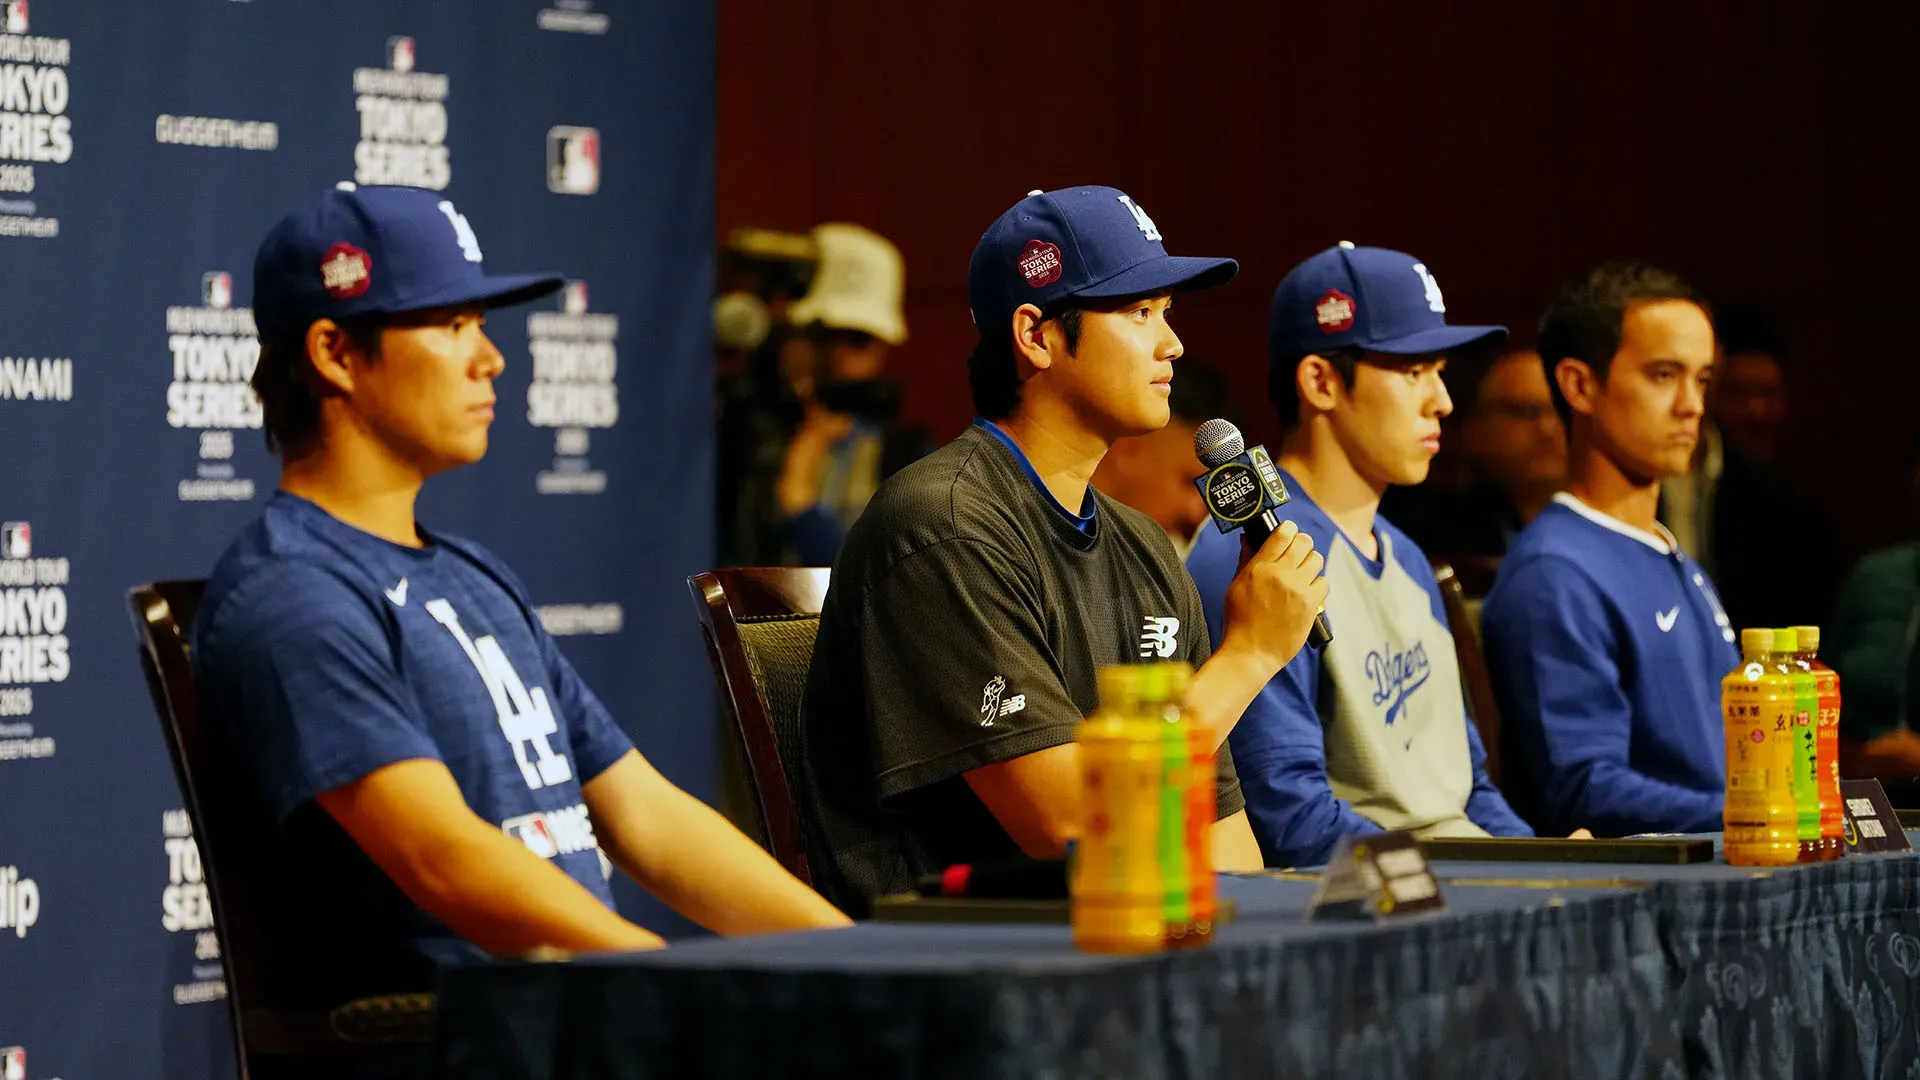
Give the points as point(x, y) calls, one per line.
point(974, 600)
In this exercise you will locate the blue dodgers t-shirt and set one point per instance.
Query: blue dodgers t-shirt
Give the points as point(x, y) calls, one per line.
point(324, 653)
point(1607, 646)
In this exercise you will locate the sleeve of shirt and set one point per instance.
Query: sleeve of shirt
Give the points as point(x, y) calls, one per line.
point(1228, 799)
point(957, 667)
point(593, 737)
point(1279, 745)
point(1551, 652)
point(1486, 806)
point(299, 670)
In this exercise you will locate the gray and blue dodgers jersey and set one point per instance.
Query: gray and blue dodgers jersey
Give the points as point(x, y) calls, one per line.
point(1371, 732)
point(324, 653)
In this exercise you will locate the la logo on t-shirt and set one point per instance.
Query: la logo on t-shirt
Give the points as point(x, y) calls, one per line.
point(526, 718)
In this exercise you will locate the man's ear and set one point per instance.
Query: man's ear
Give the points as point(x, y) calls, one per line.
point(332, 352)
point(1578, 384)
point(1318, 384)
point(1030, 348)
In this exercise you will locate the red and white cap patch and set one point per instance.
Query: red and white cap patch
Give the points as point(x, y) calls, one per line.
point(346, 271)
point(1334, 312)
point(1040, 264)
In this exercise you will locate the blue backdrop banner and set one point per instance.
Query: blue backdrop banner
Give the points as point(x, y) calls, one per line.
point(145, 149)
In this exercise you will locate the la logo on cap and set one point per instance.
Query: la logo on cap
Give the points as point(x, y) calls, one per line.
point(1334, 312)
point(346, 271)
point(1040, 264)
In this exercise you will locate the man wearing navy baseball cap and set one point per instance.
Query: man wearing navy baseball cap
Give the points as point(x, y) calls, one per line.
point(985, 584)
point(1371, 732)
point(429, 777)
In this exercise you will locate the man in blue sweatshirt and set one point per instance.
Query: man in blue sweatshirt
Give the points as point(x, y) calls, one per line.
point(1606, 642)
point(1371, 732)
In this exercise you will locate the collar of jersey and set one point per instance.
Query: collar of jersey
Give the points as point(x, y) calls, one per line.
point(1662, 541)
point(1082, 520)
point(1374, 566)
point(320, 518)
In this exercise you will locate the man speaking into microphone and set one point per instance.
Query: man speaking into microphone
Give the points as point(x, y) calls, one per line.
point(985, 584)
point(1371, 731)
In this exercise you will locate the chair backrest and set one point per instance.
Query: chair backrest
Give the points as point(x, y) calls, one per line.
point(759, 625)
point(1474, 678)
point(162, 615)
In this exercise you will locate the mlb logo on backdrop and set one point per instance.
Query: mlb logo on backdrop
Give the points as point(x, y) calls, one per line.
point(573, 298)
point(13, 1059)
point(16, 542)
point(16, 24)
point(573, 160)
point(400, 53)
point(216, 289)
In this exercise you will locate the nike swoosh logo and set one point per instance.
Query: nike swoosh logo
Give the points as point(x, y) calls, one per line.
point(1665, 619)
point(398, 594)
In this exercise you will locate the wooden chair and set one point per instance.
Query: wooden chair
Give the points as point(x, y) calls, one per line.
point(268, 1041)
point(1474, 679)
point(759, 625)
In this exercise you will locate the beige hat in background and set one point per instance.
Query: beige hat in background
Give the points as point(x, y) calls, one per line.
point(858, 285)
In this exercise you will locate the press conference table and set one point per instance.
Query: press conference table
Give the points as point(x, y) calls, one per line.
point(1536, 969)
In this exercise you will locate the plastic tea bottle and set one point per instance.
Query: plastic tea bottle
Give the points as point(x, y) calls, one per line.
point(1756, 703)
point(1202, 888)
point(1162, 699)
point(1806, 768)
point(1118, 905)
point(1827, 683)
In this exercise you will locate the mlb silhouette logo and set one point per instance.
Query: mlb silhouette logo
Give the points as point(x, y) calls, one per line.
point(16, 24)
point(216, 289)
point(13, 1059)
point(16, 542)
point(400, 53)
point(573, 160)
point(532, 830)
point(573, 298)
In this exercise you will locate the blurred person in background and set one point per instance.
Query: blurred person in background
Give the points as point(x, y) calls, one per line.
point(761, 273)
point(1514, 453)
point(1737, 488)
point(1871, 641)
point(1153, 473)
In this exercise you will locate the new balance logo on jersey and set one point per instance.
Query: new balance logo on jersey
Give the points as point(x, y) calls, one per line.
point(1396, 675)
point(550, 833)
point(525, 717)
point(1665, 619)
point(993, 706)
point(1159, 637)
point(398, 594)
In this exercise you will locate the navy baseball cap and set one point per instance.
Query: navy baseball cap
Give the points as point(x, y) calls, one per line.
point(1091, 243)
point(1370, 298)
point(375, 251)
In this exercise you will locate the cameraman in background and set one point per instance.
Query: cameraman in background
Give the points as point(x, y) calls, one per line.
point(831, 407)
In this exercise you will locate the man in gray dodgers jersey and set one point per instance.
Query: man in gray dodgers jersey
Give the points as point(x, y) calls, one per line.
point(1370, 733)
point(985, 584)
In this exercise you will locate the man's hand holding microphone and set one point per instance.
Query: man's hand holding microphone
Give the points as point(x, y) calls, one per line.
point(1274, 604)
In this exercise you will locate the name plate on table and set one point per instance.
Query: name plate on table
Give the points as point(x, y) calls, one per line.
point(1869, 824)
point(1383, 876)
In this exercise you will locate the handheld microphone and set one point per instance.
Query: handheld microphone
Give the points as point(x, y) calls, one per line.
point(1242, 489)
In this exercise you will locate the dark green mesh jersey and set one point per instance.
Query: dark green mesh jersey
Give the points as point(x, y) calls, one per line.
point(963, 627)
